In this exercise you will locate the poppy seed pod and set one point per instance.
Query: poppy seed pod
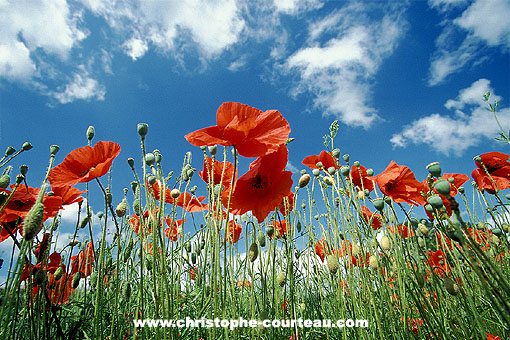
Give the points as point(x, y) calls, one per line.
point(137, 207)
point(253, 252)
point(356, 164)
point(333, 264)
point(434, 169)
point(346, 158)
point(142, 129)
point(213, 149)
point(442, 186)
point(175, 193)
point(26, 146)
point(23, 169)
point(151, 180)
point(331, 170)
point(316, 172)
point(345, 170)
point(261, 238)
point(304, 180)
point(336, 153)
point(126, 290)
point(378, 204)
point(121, 209)
point(54, 149)
point(150, 159)
point(421, 242)
point(33, 221)
point(435, 201)
point(370, 172)
point(90, 132)
point(269, 231)
point(9, 151)
point(329, 180)
point(3, 197)
point(187, 247)
point(280, 279)
point(386, 243)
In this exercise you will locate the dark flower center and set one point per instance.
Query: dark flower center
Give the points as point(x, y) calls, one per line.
point(258, 182)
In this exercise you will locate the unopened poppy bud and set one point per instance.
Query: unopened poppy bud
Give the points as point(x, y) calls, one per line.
point(423, 229)
point(74, 242)
point(84, 221)
point(461, 190)
point(151, 180)
point(319, 165)
point(175, 193)
point(5, 180)
point(280, 279)
point(26, 146)
point(253, 252)
point(372, 260)
point(90, 132)
point(429, 208)
point(304, 180)
point(316, 172)
point(269, 231)
point(121, 209)
point(303, 206)
point(187, 247)
point(420, 278)
point(9, 151)
point(451, 286)
point(23, 169)
point(329, 180)
point(137, 207)
point(33, 221)
point(40, 277)
point(442, 186)
point(3, 197)
point(212, 149)
point(356, 250)
point(336, 153)
point(261, 238)
point(495, 239)
point(149, 158)
point(421, 242)
point(193, 258)
point(345, 170)
point(506, 227)
point(126, 291)
point(76, 280)
point(332, 263)
point(435, 201)
point(298, 226)
point(142, 129)
point(58, 273)
point(386, 243)
point(434, 169)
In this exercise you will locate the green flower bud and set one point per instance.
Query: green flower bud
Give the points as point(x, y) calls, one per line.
point(58, 273)
point(451, 286)
point(9, 151)
point(100, 214)
point(142, 129)
point(280, 279)
point(261, 238)
point(40, 277)
point(150, 159)
point(193, 258)
point(434, 169)
point(5, 180)
point(76, 280)
point(336, 153)
point(304, 180)
point(151, 180)
point(121, 209)
point(126, 291)
point(478, 159)
point(298, 226)
point(23, 169)
point(253, 252)
point(137, 207)
point(442, 186)
point(33, 221)
point(187, 247)
point(333, 265)
point(134, 185)
point(90, 132)
point(269, 231)
point(131, 162)
point(26, 146)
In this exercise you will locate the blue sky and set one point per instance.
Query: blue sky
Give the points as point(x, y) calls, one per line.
point(405, 79)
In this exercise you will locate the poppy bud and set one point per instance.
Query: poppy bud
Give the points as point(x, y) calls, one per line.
point(386, 243)
point(356, 251)
point(90, 132)
point(253, 252)
point(212, 149)
point(121, 209)
point(434, 169)
point(332, 263)
point(269, 231)
point(442, 186)
point(202, 244)
point(175, 193)
point(84, 221)
point(423, 229)
point(420, 278)
point(5, 180)
point(336, 153)
point(304, 180)
point(9, 151)
point(142, 129)
point(131, 162)
point(506, 227)
point(151, 180)
point(58, 273)
point(372, 260)
point(194, 258)
point(54, 149)
point(39, 277)
point(33, 221)
point(345, 170)
point(261, 238)
point(126, 291)
point(298, 226)
point(76, 280)
point(26, 146)
point(346, 158)
point(421, 242)
point(451, 286)
point(319, 165)
point(3, 197)
point(316, 172)
point(495, 239)
point(370, 172)
point(74, 242)
point(378, 204)
point(137, 207)
point(303, 206)
point(150, 158)
point(329, 180)
point(435, 201)
point(187, 247)
point(280, 279)
point(23, 169)
point(429, 208)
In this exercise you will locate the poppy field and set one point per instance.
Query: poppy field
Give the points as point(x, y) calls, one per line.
point(425, 258)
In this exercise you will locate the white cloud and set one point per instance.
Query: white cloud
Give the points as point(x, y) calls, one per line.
point(136, 48)
point(30, 25)
point(454, 134)
point(295, 6)
point(483, 23)
point(340, 71)
point(83, 87)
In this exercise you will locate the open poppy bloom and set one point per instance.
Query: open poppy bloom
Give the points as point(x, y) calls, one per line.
point(360, 178)
point(492, 337)
point(287, 204)
point(498, 168)
point(254, 133)
point(54, 261)
point(23, 199)
point(215, 172)
point(83, 263)
point(281, 229)
point(458, 180)
point(438, 263)
point(263, 187)
point(68, 194)
point(84, 164)
point(399, 183)
point(324, 157)
point(233, 232)
point(374, 220)
point(173, 232)
point(320, 249)
point(190, 204)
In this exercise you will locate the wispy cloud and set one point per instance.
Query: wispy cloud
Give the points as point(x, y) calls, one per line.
point(344, 52)
point(454, 134)
point(81, 86)
point(483, 23)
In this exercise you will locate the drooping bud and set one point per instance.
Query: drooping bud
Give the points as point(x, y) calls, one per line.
point(451, 286)
point(58, 273)
point(76, 280)
point(372, 260)
point(269, 231)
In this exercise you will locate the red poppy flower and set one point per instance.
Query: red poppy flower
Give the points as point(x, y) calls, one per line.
point(324, 157)
point(234, 232)
point(370, 218)
point(320, 249)
point(287, 204)
point(399, 183)
point(254, 133)
point(360, 178)
point(84, 164)
point(263, 187)
point(403, 230)
point(492, 337)
point(458, 180)
point(217, 172)
point(190, 204)
point(438, 263)
point(193, 272)
point(42, 247)
point(23, 199)
point(173, 231)
point(481, 237)
point(244, 283)
point(83, 263)
point(61, 290)
point(360, 261)
point(446, 204)
point(68, 194)
point(498, 168)
point(54, 261)
point(281, 227)
point(414, 324)
point(8, 226)
point(447, 241)
point(156, 191)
